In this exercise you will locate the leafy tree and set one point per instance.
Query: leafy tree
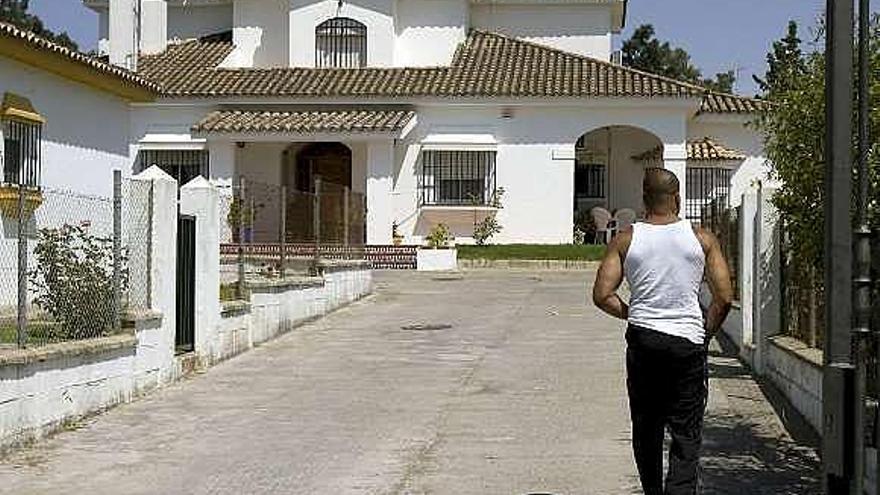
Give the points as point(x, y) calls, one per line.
point(645, 52)
point(16, 12)
point(794, 135)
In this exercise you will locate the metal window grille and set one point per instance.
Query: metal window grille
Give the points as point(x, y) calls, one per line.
point(706, 186)
point(589, 181)
point(183, 165)
point(341, 42)
point(22, 152)
point(457, 178)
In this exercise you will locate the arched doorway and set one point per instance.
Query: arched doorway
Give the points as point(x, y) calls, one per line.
point(608, 171)
point(329, 161)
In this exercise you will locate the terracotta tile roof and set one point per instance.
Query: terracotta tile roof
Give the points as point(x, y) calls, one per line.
point(485, 65)
point(352, 120)
point(725, 103)
point(705, 149)
point(30, 40)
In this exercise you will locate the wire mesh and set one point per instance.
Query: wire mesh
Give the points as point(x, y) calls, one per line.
point(68, 265)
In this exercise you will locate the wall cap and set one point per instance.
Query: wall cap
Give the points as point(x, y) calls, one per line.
point(67, 349)
point(798, 349)
point(228, 308)
point(286, 283)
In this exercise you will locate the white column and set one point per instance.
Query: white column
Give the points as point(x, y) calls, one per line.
point(380, 215)
point(675, 160)
point(767, 319)
point(200, 199)
point(222, 163)
point(161, 270)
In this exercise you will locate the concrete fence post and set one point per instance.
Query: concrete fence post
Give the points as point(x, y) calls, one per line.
point(282, 257)
point(767, 319)
point(117, 250)
point(22, 267)
point(199, 198)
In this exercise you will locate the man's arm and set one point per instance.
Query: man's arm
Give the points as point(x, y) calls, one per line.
point(718, 275)
point(610, 276)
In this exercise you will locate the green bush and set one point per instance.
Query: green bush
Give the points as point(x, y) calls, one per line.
point(73, 280)
point(439, 236)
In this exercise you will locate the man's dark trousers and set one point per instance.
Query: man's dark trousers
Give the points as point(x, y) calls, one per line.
point(667, 384)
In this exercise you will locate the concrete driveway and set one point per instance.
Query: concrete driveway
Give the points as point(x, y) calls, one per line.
point(486, 382)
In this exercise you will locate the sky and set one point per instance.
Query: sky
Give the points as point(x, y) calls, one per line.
point(720, 35)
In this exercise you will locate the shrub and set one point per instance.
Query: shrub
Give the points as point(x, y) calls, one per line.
point(73, 280)
point(439, 236)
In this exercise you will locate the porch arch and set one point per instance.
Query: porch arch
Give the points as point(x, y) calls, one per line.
point(607, 169)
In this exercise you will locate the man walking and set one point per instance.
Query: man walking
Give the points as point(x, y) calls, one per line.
point(664, 260)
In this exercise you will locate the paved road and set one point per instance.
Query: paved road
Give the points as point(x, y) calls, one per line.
point(481, 383)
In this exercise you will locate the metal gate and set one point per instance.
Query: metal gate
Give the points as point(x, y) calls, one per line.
point(184, 338)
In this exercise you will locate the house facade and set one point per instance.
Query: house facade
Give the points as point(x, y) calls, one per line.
point(429, 108)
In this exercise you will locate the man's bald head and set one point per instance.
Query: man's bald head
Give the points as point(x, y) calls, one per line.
point(660, 190)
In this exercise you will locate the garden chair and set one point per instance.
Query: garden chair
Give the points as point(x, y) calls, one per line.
point(601, 220)
point(623, 218)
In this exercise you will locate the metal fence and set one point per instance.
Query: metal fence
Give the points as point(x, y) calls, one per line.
point(64, 264)
point(272, 232)
point(803, 293)
point(725, 222)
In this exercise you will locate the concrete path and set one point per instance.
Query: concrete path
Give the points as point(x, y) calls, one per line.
point(477, 383)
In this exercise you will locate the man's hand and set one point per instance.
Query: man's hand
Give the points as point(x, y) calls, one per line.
point(718, 276)
point(610, 276)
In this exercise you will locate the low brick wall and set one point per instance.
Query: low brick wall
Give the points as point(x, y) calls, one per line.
point(796, 370)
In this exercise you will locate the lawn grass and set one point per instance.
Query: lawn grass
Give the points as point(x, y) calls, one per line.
point(38, 333)
point(567, 252)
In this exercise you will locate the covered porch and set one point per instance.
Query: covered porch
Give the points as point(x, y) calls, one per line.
point(316, 175)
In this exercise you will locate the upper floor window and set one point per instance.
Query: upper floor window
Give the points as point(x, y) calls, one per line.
point(341, 42)
point(22, 130)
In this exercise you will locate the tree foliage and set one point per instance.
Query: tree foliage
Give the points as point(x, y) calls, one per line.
point(16, 12)
point(645, 52)
point(793, 128)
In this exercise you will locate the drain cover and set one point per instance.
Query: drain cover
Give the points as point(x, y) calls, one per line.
point(426, 326)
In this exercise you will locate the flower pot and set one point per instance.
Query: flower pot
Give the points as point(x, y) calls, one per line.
point(434, 260)
point(33, 198)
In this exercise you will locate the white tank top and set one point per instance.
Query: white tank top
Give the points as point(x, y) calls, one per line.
point(664, 269)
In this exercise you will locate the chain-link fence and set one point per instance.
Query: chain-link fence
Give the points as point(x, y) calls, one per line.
point(271, 231)
point(63, 265)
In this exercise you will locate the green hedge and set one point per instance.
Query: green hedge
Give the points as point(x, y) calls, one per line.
point(581, 252)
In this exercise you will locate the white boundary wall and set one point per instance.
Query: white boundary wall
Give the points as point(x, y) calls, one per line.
point(754, 326)
point(44, 388)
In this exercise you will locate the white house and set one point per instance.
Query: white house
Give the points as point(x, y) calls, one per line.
point(427, 107)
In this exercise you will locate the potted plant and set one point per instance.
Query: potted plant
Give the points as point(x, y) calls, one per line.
point(396, 237)
point(439, 255)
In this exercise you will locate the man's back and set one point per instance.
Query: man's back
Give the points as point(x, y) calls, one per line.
point(664, 266)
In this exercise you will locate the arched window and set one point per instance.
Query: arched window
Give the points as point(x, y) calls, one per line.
point(341, 42)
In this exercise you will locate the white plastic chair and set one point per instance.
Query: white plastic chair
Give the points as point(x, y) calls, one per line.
point(623, 218)
point(601, 219)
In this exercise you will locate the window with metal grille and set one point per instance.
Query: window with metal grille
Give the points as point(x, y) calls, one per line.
point(341, 42)
point(589, 180)
point(22, 153)
point(707, 188)
point(457, 178)
point(183, 165)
